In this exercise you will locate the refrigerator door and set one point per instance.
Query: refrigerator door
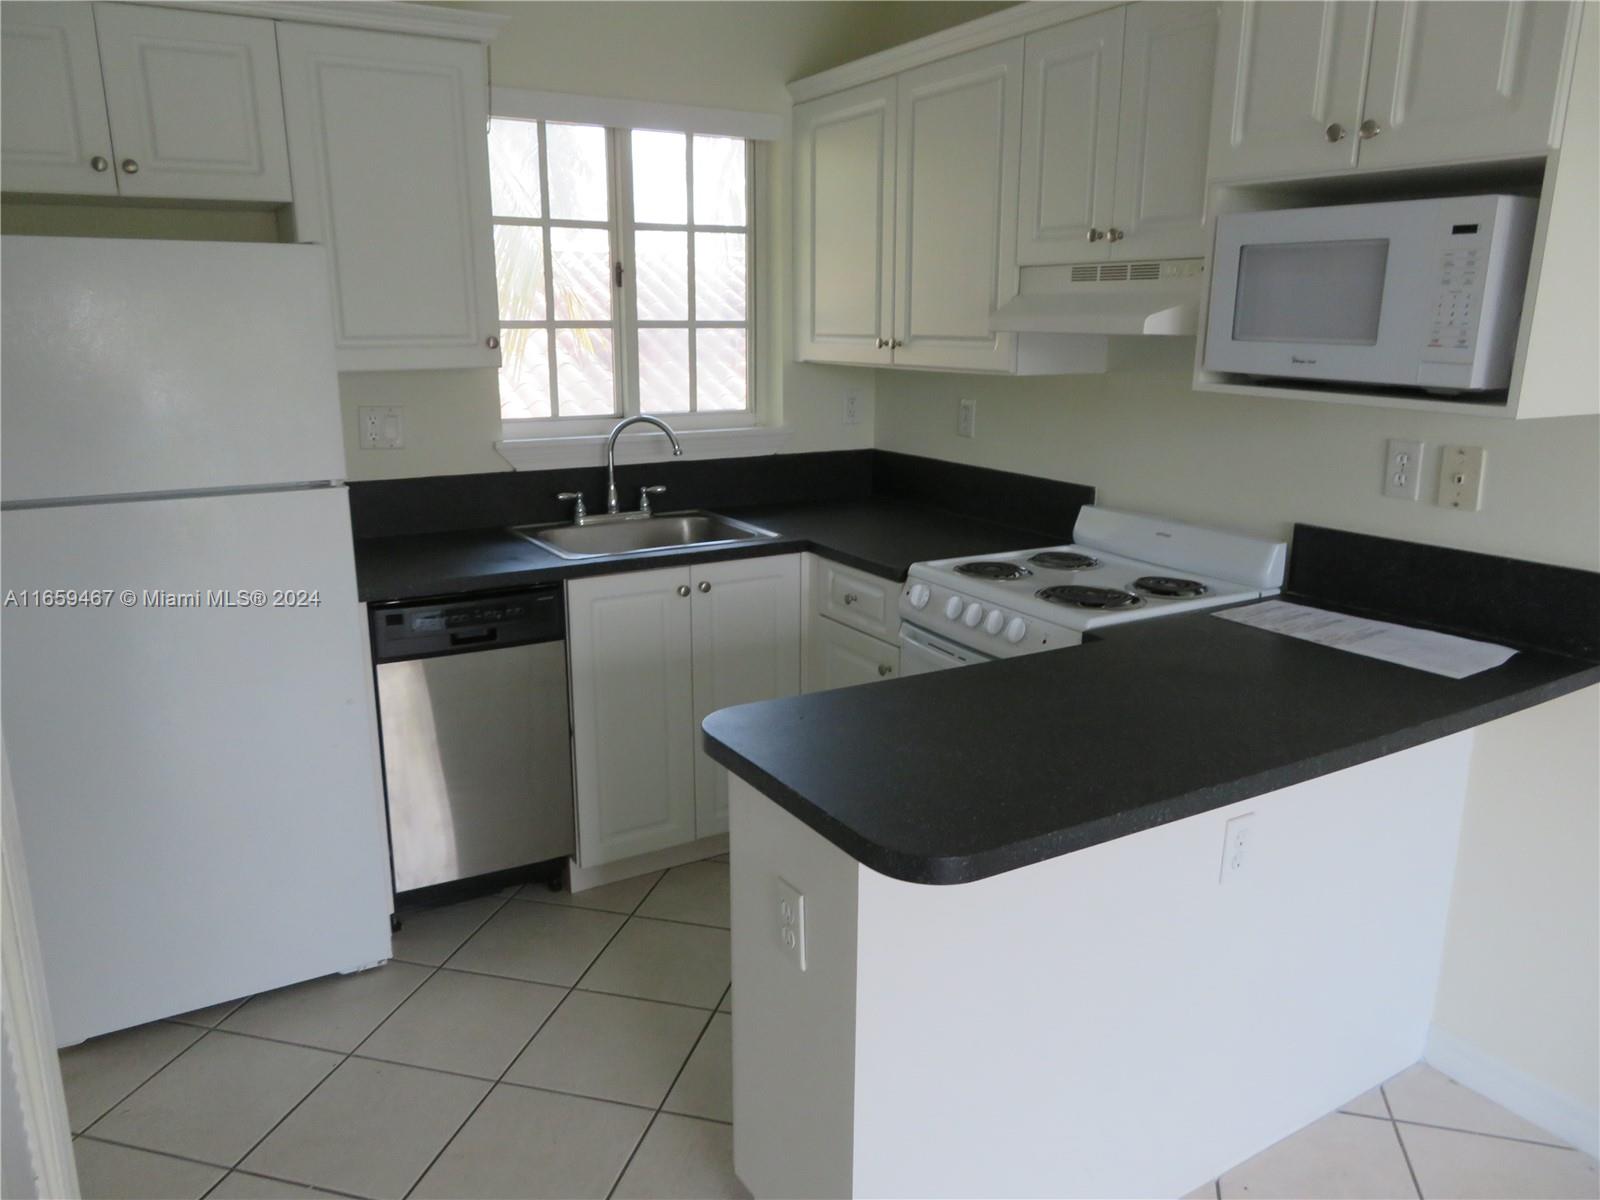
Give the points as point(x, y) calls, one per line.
point(198, 785)
point(150, 366)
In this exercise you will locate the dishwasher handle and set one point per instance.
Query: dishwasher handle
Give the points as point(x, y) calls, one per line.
point(468, 625)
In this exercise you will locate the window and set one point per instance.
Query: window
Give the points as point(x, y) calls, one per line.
point(623, 263)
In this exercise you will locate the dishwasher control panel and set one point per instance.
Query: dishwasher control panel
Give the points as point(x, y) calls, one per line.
point(413, 630)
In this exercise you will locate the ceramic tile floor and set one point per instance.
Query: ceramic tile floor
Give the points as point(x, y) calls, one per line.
point(535, 1044)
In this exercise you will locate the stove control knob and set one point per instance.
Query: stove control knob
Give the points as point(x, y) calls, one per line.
point(972, 616)
point(952, 607)
point(919, 595)
point(994, 622)
point(1016, 630)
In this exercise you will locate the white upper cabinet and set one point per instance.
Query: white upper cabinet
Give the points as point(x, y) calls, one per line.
point(53, 131)
point(391, 171)
point(118, 99)
point(844, 224)
point(1308, 89)
point(955, 246)
point(1289, 85)
point(1069, 139)
point(196, 109)
point(1453, 81)
point(746, 648)
point(1169, 54)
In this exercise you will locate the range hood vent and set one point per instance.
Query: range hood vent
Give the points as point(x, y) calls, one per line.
point(1150, 298)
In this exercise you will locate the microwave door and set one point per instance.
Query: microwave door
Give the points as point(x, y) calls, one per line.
point(1327, 294)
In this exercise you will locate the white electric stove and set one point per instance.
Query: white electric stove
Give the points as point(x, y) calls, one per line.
point(1119, 567)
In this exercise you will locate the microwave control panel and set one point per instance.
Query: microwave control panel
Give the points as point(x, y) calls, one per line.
point(1458, 299)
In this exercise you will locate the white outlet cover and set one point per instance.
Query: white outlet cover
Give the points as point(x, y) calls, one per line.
point(967, 418)
point(1237, 835)
point(852, 409)
point(1402, 469)
point(791, 906)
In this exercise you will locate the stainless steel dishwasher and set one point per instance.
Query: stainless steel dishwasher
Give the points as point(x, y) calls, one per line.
point(477, 754)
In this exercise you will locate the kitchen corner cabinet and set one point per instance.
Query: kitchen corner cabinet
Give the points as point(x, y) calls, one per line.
point(1307, 89)
point(158, 103)
point(1116, 116)
point(391, 173)
point(905, 215)
point(651, 653)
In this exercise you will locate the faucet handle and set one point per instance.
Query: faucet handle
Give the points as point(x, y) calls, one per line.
point(579, 512)
point(655, 489)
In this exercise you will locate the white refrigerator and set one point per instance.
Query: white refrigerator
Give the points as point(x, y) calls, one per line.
point(187, 692)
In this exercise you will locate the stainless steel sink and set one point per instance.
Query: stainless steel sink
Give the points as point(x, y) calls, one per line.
point(640, 535)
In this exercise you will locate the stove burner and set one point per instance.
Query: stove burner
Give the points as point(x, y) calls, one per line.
point(1001, 571)
point(1165, 585)
point(1064, 560)
point(1089, 597)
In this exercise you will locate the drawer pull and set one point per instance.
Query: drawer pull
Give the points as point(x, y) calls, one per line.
point(884, 670)
point(851, 598)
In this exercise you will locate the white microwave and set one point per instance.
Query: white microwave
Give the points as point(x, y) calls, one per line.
point(1413, 293)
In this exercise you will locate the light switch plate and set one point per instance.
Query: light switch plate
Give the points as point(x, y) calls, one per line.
point(1461, 477)
point(792, 923)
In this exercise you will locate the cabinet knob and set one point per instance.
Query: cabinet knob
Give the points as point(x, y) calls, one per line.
point(895, 343)
point(683, 589)
point(851, 598)
point(884, 669)
point(883, 343)
point(130, 167)
point(1334, 132)
point(1114, 235)
point(100, 163)
point(492, 342)
point(704, 586)
point(1095, 235)
point(1369, 129)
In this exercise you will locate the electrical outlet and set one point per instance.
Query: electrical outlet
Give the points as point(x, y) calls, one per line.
point(380, 427)
point(1237, 835)
point(852, 409)
point(792, 923)
point(1461, 477)
point(967, 419)
point(1402, 470)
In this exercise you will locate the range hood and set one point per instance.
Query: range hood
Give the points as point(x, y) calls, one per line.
point(1137, 299)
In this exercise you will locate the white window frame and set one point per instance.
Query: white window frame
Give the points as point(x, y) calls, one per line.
point(522, 432)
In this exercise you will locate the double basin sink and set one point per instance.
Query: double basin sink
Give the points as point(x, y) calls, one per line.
point(607, 537)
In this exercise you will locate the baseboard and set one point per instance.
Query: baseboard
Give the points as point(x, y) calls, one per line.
point(1569, 1119)
point(581, 879)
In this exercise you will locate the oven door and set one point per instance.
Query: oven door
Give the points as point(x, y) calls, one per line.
point(921, 652)
point(1337, 294)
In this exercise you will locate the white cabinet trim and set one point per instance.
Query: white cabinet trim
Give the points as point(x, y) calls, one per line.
point(637, 114)
point(389, 16)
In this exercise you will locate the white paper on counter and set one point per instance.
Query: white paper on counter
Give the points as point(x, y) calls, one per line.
point(1439, 653)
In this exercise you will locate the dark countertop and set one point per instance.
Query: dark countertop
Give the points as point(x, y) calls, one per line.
point(883, 537)
point(957, 775)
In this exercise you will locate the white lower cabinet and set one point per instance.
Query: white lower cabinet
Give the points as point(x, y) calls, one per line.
point(651, 653)
point(838, 656)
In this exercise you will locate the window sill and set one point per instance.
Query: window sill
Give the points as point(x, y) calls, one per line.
point(645, 444)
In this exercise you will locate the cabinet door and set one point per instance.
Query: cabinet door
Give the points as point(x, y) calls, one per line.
point(53, 129)
point(1453, 81)
point(628, 643)
point(746, 648)
point(957, 150)
point(1286, 73)
point(391, 172)
point(1069, 139)
point(844, 225)
point(196, 108)
point(839, 656)
point(1168, 63)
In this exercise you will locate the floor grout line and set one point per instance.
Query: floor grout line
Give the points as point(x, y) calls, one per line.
point(142, 1082)
point(682, 1067)
point(1404, 1153)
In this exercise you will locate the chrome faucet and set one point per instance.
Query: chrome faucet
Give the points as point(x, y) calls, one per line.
point(611, 458)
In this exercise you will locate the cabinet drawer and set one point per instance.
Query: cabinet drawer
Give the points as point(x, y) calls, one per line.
point(839, 656)
point(857, 599)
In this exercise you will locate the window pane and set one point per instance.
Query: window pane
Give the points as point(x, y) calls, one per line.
point(719, 276)
point(581, 274)
point(524, 373)
point(662, 279)
point(583, 372)
point(660, 184)
point(577, 166)
point(718, 181)
point(720, 370)
point(664, 370)
point(514, 168)
point(519, 271)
